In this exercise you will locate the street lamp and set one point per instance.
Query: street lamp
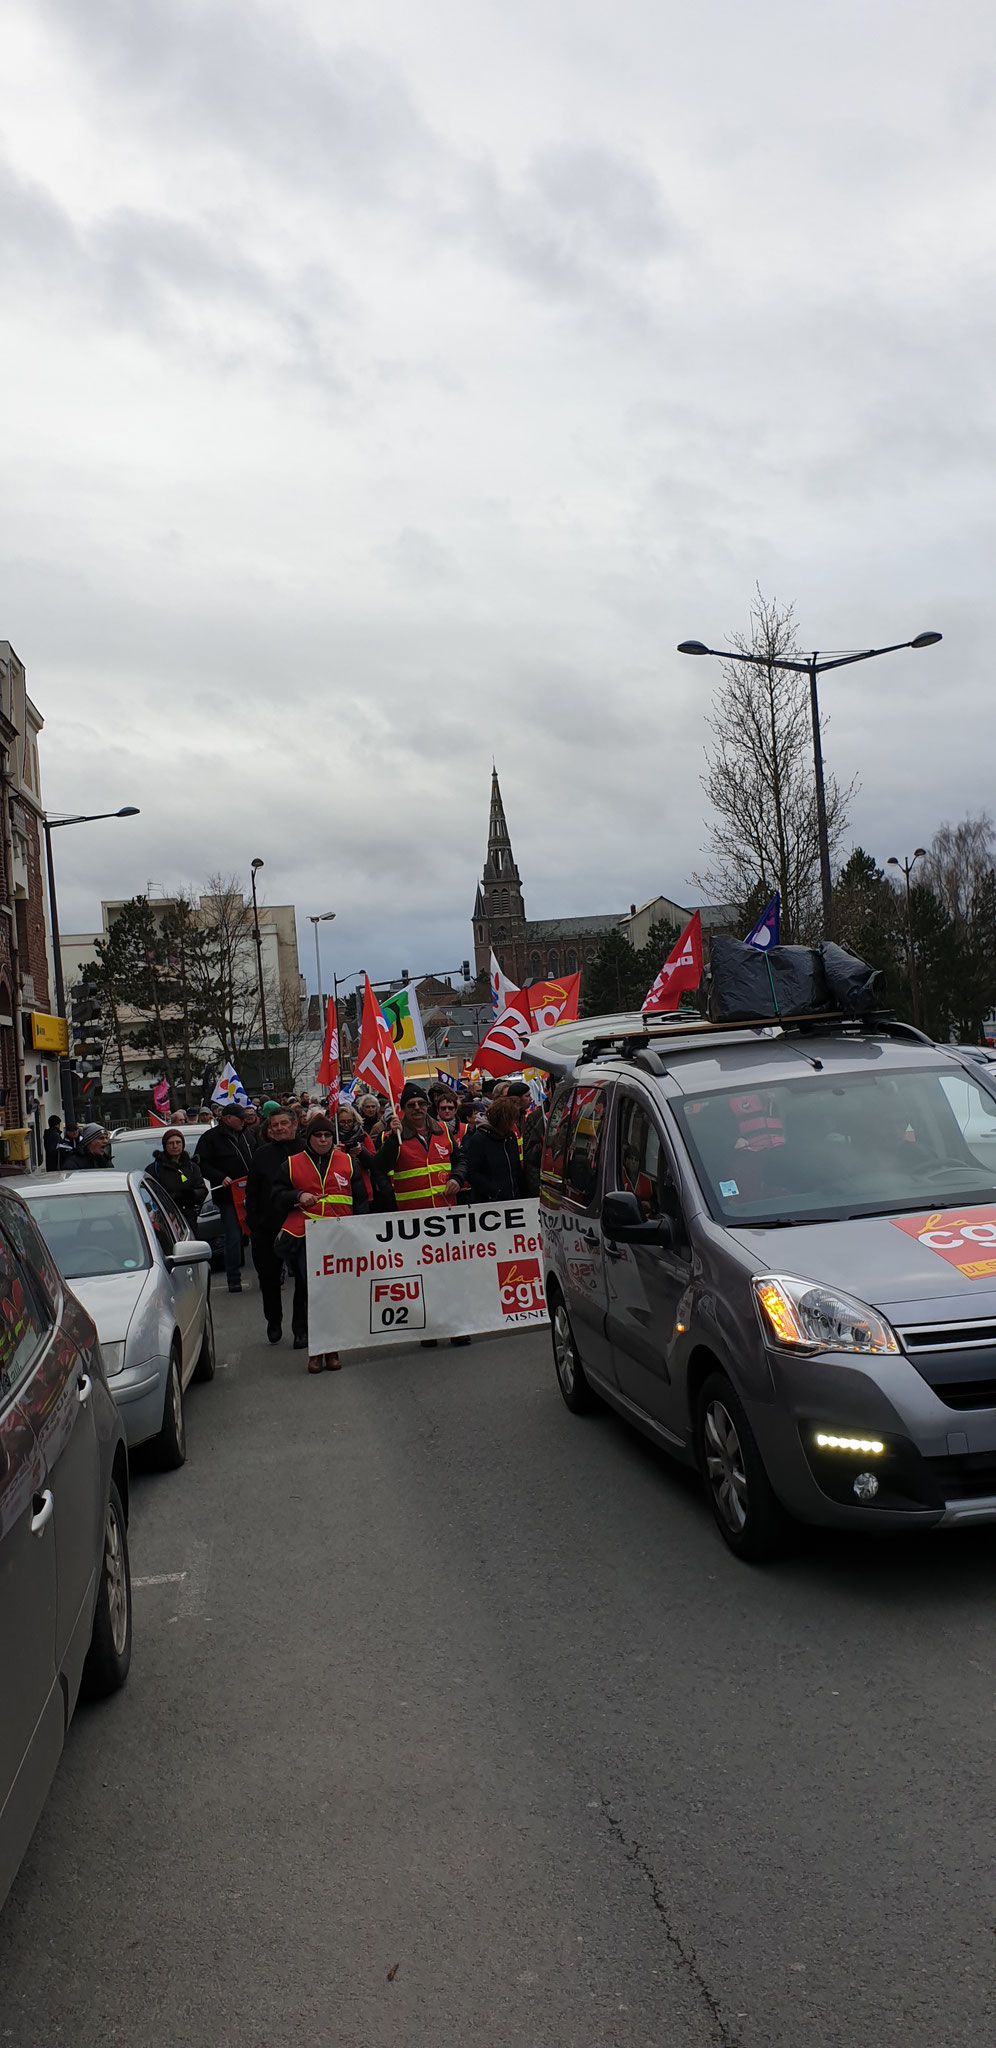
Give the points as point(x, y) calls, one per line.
point(813, 667)
point(907, 866)
point(257, 935)
point(50, 825)
point(323, 917)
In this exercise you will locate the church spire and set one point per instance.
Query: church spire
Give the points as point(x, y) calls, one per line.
point(499, 866)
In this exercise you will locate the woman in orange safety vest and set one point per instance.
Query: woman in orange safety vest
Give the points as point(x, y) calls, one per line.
point(319, 1182)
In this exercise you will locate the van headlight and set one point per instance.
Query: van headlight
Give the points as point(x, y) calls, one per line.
point(113, 1357)
point(805, 1317)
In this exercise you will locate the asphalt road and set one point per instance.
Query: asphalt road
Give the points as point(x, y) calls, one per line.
point(451, 1722)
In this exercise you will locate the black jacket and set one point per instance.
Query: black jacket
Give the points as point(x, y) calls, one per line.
point(266, 1171)
point(68, 1160)
point(490, 1166)
point(223, 1156)
point(182, 1179)
point(51, 1140)
point(533, 1135)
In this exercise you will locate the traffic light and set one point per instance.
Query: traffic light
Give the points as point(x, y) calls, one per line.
point(84, 1029)
point(465, 970)
point(405, 977)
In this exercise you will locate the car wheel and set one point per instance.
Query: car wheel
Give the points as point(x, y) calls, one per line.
point(570, 1372)
point(748, 1514)
point(109, 1655)
point(170, 1446)
point(204, 1369)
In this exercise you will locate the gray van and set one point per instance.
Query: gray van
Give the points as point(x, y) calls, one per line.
point(773, 1249)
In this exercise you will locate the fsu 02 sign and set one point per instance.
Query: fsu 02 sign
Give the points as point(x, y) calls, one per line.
point(427, 1273)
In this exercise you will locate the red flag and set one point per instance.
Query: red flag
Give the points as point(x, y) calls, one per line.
point(328, 1071)
point(239, 1204)
point(501, 1051)
point(682, 970)
point(160, 1099)
point(553, 1002)
point(377, 1063)
point(157, 1120)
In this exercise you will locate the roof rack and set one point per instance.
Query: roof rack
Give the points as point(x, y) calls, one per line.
point(644, 1044)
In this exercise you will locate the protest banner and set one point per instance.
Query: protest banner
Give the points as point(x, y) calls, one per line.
point(403, 1278)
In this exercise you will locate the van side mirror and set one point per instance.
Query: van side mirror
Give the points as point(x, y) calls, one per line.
point(623, 1222)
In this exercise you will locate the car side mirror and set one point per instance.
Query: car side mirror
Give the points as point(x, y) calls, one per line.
point(189, 1252)
point(623, 1221)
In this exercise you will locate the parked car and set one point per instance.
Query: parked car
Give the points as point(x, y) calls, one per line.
point(135, 1264)
point(133, 1149)
point(775, 1252)
point(65, 1588)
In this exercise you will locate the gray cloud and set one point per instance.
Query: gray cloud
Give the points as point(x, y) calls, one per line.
point(379, 401)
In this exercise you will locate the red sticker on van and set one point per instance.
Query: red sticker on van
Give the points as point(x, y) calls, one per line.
point(965, 1238)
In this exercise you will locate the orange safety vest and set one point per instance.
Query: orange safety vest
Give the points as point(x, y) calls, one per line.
point(420, 1176)
point(335, 1186)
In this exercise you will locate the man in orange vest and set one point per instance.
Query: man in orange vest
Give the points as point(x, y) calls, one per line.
point(417, 1158)
point(319, 1182)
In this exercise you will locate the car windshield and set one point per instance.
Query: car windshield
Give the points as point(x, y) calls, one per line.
point(92, 1233)
point(843, 1144)
point(133, 1149)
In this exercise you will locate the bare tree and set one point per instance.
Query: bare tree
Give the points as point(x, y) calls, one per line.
point(759, 780)
point(959, 863)
point(221, 963)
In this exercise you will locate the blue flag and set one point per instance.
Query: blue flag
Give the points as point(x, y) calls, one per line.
point(765, 932)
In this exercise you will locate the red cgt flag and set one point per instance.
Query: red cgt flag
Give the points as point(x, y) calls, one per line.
point(328, 1070)
point(553, 1002)
point(501, 1051)
point(377, 1063)
point(682, 970)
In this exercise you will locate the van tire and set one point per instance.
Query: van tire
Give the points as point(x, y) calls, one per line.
point(749, 1516)
point(578, 1395)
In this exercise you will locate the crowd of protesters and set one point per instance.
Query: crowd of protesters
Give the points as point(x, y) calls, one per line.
point(269, 1165)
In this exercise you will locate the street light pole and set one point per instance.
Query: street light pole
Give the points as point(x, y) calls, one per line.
point(50, 825)
point(907, 866)
point(257, 935)
point(323, 917)
point(813, 667)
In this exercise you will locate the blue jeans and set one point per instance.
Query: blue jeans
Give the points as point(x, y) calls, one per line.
point(232, 1238)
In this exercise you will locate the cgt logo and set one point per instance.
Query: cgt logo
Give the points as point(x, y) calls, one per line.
point(520, 1287)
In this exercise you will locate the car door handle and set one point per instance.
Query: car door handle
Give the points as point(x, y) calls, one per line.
point(44, 1508)
point(84, 1389)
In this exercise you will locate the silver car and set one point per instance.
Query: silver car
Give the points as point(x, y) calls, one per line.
point(133, 1149)
point(65, 1589)
point(774, 1251)
point(129, 1255)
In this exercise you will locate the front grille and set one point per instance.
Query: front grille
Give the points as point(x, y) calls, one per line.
point(947, 1337)
point(968, 1478)
point(967, 1393)
point(957, 1360)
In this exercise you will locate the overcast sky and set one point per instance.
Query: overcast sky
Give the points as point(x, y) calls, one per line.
point(388, 386)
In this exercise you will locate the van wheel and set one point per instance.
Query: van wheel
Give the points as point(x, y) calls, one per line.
point(204, 1369)
point(109, 1655)
point(748, 1514)
point(169, 1448)
point(570, 1372)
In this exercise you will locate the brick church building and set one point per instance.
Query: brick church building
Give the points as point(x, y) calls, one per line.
point(527, 949)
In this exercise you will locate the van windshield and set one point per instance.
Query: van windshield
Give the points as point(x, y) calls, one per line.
point(844, 1144)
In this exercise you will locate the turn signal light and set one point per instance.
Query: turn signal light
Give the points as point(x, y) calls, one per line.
point(870, 1445)
point(778, 1309)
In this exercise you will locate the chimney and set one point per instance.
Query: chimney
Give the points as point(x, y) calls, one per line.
point(632, 910)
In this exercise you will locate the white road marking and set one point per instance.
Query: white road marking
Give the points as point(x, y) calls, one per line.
point(160, 1579)
point(193, 1592)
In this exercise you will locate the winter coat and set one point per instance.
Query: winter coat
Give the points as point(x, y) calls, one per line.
point(490, 1166)
point(183, 1180)
point(533, 1134)
point(221, 1155)
point(267, 1169)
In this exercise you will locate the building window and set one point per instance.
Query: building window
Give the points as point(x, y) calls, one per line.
point(504, 902)
point(553, 966)
point(535, 966)
point(572, 962)
point(480, 931)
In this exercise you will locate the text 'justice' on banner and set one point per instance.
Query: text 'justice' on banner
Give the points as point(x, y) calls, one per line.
point(427, 1273)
